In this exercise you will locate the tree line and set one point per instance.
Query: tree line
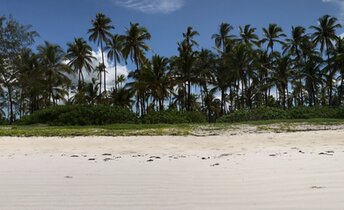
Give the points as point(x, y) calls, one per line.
point(243, 71)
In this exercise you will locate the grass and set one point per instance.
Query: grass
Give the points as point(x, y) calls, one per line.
point(160, 129)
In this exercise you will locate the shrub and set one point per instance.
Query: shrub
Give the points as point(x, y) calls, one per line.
point(263, 113)
point(268, 113)
point(81, 115)
point(173, 117)
point(312, 112)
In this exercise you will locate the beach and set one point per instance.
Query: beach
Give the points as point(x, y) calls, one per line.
point(296, 170)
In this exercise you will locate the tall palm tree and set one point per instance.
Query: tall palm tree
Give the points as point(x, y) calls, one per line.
point(100, 33)
point(188, 57)
point(293, 44)
point(325, 32)
point(325, 35)
point(280, 76)
point(293, 47)
point(223, 37)
point(205, 63)
point(80, 57)
point(248, 35)
point(114, 47)
point(157, 77)
point(272, 35)
point(134, 45)
point(338, 63)
point(51, 57)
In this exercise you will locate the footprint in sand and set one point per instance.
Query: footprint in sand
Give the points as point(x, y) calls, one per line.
point(216, 164)
point(317, 187)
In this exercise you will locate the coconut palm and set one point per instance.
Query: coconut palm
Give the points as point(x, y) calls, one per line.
point(325, 32)
point(223, 37)
point(134, 45)
point(100, 33)
point(55, 72)
point(325, 35)
point(114, 47)
point(281, 75)
point(188, 58)
point(80, 57)
point(293, 47)
point(248, 36)
point(272, 35)
point(158, 79)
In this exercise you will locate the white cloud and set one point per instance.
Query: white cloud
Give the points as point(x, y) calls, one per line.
point(110, 68)
point(152, 6)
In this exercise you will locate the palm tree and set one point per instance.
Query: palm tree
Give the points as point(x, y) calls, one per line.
point(272, 35)
point(205, 63)
point(293, 44)
point(281, 76)
point(325, 35)
point(134, 45)
point(223, 79)
point(121, 79)
point(157, 78)
point(114, 47)
point(51, 57)
point(188, 57)
point(293, 47)
point(223, 37)
point(80, 57)
point(100, 33)
point(338, 63)
point(248, 35)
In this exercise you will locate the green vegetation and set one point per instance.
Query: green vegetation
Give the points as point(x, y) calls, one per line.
point(267, 77)
point(106, 115)
point(168, 129)
point(80, 115)
point(268, 113)
point(105, 130)
point(173, 117)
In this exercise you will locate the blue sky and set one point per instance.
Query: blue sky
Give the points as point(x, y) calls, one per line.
point(59, 21)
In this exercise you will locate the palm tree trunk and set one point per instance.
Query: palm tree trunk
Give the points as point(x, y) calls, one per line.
point(330, 77)
point(115, 74)
point(10, 100)
point(103, 65)
point(341, 90)
point(223, 101)
point(301, 92)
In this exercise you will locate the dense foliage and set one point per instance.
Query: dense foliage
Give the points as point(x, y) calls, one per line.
point(268, 113)
point(173, 117)
point(81, 115)
point(256, 77)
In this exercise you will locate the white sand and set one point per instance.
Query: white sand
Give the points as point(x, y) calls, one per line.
point(249, 171)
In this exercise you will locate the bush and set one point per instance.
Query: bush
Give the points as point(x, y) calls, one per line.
point(312, 112)
point(80, 115)
point(173, 117)
point(268, 113)
point(263, 113)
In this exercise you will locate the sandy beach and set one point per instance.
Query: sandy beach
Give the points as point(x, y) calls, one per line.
point(300, 170)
